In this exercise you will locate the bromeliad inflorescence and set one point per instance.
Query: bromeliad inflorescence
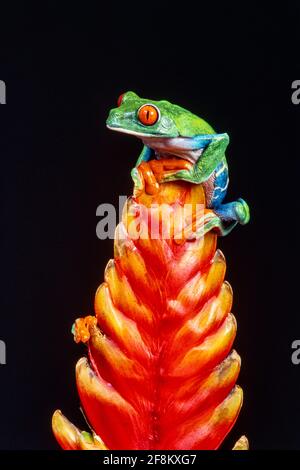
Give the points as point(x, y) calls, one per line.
point(160, 371)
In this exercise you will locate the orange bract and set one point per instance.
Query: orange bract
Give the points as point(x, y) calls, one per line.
point(160, 372)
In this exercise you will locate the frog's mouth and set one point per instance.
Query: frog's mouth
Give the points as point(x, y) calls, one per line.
point(141, 135)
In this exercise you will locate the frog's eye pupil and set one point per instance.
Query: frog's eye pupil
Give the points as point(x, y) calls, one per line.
point(148, 114)
point(120, 99)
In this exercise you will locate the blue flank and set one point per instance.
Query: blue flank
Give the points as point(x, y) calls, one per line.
point(201, 141)
point(220, 183)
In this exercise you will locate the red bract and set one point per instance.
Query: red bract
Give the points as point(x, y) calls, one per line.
point(160, 372)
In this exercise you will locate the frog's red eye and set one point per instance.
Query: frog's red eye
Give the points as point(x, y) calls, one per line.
point(120, 99)
point(148, 114)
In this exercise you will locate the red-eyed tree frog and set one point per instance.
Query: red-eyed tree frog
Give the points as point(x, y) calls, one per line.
point(178, 145)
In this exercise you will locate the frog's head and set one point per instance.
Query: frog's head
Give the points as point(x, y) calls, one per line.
point(148, 118)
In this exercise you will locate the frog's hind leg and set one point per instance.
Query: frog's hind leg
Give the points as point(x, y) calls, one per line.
point(230, 213)
point(237, 211)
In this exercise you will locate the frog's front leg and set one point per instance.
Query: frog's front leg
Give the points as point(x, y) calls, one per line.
point(142, 174)
point(148, 173)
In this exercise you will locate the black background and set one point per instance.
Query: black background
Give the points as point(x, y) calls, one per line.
point(64, 65)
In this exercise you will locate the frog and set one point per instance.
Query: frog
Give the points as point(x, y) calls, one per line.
point(178, 145)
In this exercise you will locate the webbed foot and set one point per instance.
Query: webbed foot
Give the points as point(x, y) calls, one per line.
point(242, 212)
point(231, 214)
point(237, 211)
